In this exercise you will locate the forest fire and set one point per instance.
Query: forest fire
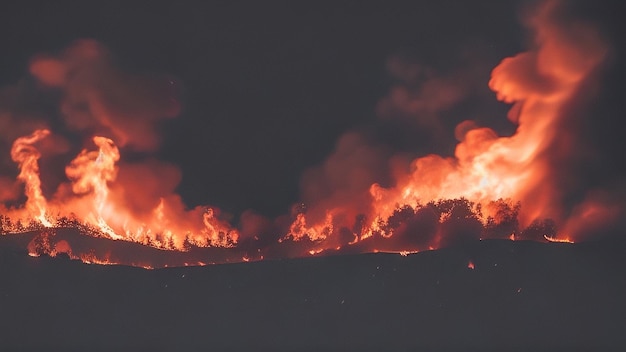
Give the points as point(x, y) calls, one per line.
point(500, 187)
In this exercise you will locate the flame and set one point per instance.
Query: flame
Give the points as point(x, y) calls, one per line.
point(90, 171)
point(26, 155)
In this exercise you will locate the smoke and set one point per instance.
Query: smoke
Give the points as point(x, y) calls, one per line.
point(549, 86)
point(426, 94)
point(420, 93)
point(425, 101)
point(143, 185)
point(98, 98)
point(343, 180)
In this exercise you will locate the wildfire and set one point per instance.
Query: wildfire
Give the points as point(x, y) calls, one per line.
point(492, 187)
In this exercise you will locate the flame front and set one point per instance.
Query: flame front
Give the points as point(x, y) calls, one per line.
point(92, 204)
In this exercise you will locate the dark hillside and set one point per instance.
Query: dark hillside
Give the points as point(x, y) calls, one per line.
point(520, 295)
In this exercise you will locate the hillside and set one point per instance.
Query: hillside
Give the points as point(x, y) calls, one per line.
point(519, 295)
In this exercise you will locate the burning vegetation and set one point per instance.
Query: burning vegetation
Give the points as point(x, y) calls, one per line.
point(107, 211)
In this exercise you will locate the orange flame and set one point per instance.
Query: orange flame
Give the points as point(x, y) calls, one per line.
point(90, 171)
point(26, 155)
point(95, 206)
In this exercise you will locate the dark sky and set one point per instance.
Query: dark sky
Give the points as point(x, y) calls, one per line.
point(269, 87)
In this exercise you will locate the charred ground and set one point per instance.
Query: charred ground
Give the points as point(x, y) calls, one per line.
point(519, 295)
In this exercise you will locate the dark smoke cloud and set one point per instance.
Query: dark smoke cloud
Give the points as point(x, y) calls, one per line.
point(421, 93)
point(428, 97)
